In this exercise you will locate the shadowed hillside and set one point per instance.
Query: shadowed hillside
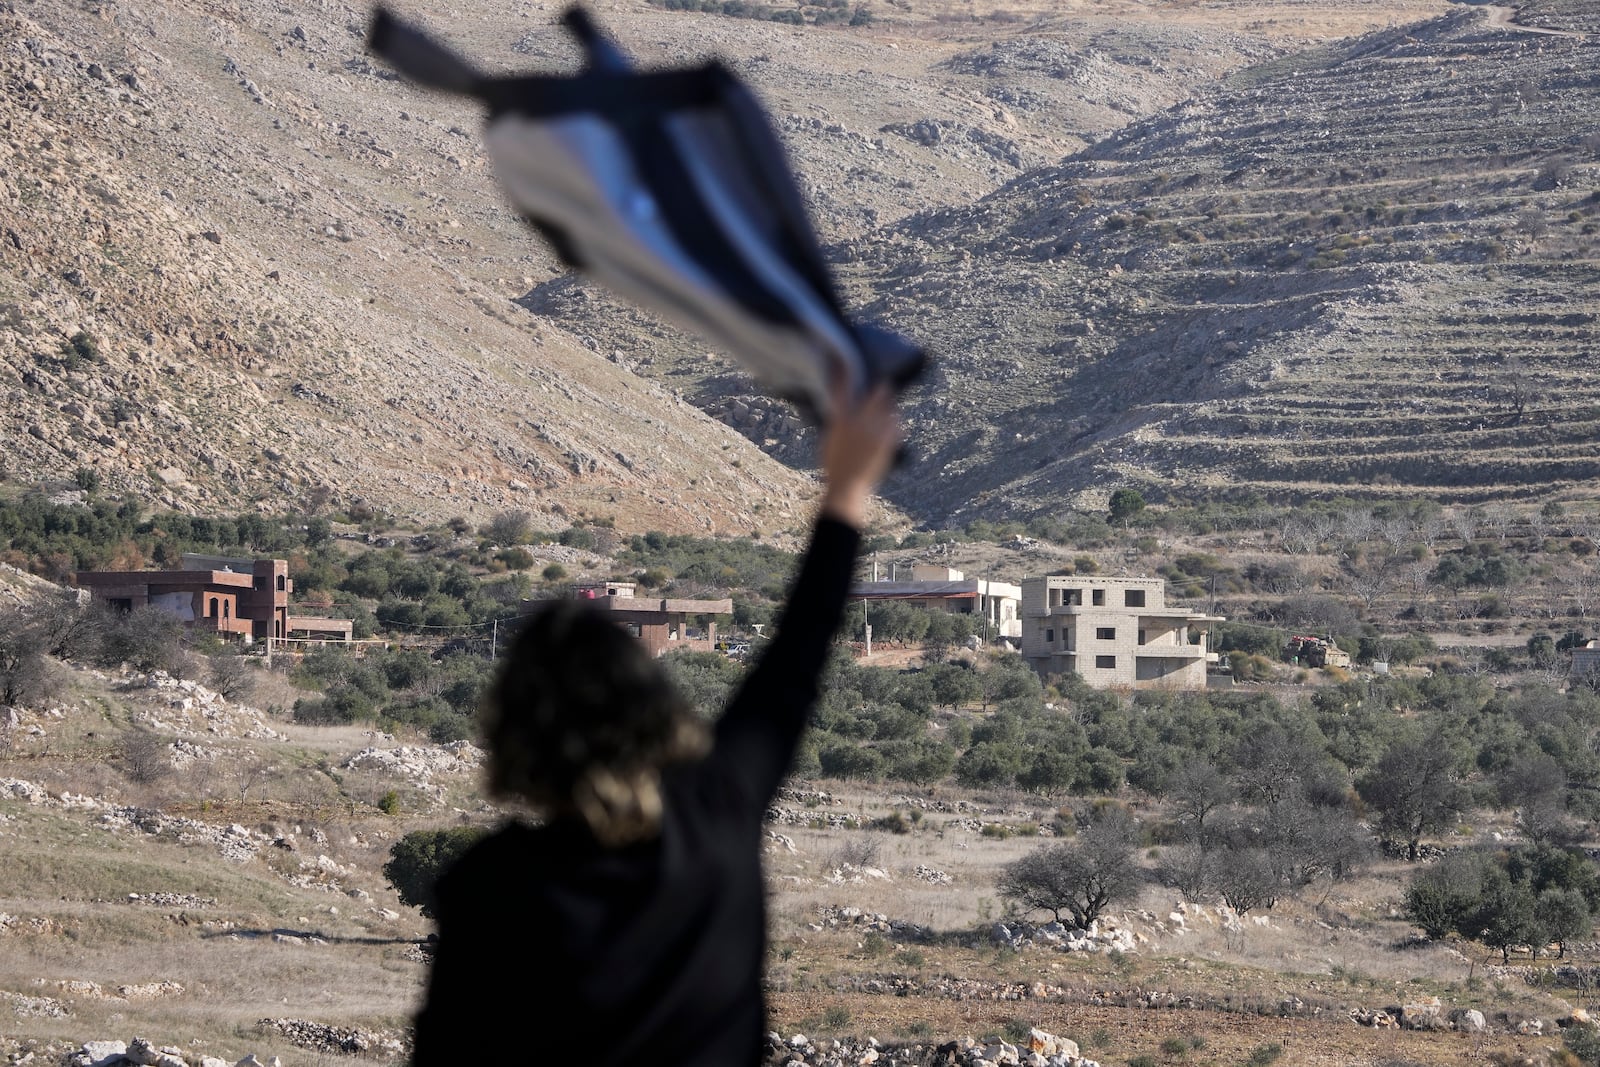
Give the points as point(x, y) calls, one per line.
point(1368, 268)
point(245, 265)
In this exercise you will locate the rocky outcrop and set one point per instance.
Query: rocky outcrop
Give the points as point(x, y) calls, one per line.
point(349, 1040)
point(1039, 1049)
point(140, 1052)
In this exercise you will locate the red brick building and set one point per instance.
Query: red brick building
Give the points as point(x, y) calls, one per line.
point(662, 623)
point(242, 598)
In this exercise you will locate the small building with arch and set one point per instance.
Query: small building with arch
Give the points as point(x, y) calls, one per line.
point(245, 599)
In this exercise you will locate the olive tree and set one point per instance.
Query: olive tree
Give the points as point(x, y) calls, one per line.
point(1414, 790)
point(1080, 878)
point(418, 859)
point(24, 673)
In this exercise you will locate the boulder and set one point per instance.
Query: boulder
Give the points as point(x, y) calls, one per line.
point(1003, 1053)
point(1424, 1013)
point(142, 1052)
point(1047, 1044)
point(101, 1053)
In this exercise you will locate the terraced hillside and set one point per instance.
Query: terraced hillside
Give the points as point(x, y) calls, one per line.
point(1369, 268)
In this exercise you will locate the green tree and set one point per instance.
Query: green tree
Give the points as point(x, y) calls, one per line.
point(1542, 650)
point(989, 763)
point(1503, 917)
point(846, 759)
point(1048, 771)
point(1415, 789)
point(1443, 898)
point(145, 638)
point(509, 528)
point(955, 684)
point(1124, 505)
point(417, 860)
point(922, 761)
point(1560, 915)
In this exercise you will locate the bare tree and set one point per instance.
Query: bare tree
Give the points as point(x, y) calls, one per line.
point(1081, 877)
point(1499, 518)
point(1195, 790)
point(1357, 525)
point(1297, 537)
point(1588, 528)
point(1464, 522)
point(1428, 529)
point(1246, 879)
point(1580, 585)
point(25, 674)
point(1324, 524)
point(1370, 576)
point(1190, 869)
point(231, 676)
point(1417, 577)
point(250, 773)
point(1395, 533)
point(145, 756)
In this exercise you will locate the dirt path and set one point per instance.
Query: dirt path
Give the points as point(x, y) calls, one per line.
point(1504, 18)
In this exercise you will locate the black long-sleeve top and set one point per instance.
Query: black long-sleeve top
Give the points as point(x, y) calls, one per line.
point(651, 952)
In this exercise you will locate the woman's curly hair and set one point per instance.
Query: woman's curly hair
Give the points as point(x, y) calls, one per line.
point(581, 719)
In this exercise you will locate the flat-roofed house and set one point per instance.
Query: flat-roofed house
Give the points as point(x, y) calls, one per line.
point(1114, 632)
point(240, 598)
point(662, 623)
point(945, 589)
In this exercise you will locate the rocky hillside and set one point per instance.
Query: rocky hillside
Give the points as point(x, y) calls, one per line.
point(1365, 268)
point(1198, 251)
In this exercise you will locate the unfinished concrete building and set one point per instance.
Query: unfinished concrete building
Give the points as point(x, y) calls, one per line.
point(1114, 632)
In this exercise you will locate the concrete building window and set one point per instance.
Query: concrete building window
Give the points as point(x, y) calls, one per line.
point(1099, 598)
point(1133, 598)
point(1106, 663)
point(280, 583)
point(1141, 637)
point(1105, 633)
point(1050, 636)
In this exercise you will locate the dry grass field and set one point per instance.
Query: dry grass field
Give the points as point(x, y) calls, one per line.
point(176, 911)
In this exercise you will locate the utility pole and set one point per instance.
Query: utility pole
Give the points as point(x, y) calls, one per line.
point(866, 628)
point(494, 641)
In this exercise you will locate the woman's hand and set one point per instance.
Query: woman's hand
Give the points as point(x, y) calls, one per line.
point(858, 447)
